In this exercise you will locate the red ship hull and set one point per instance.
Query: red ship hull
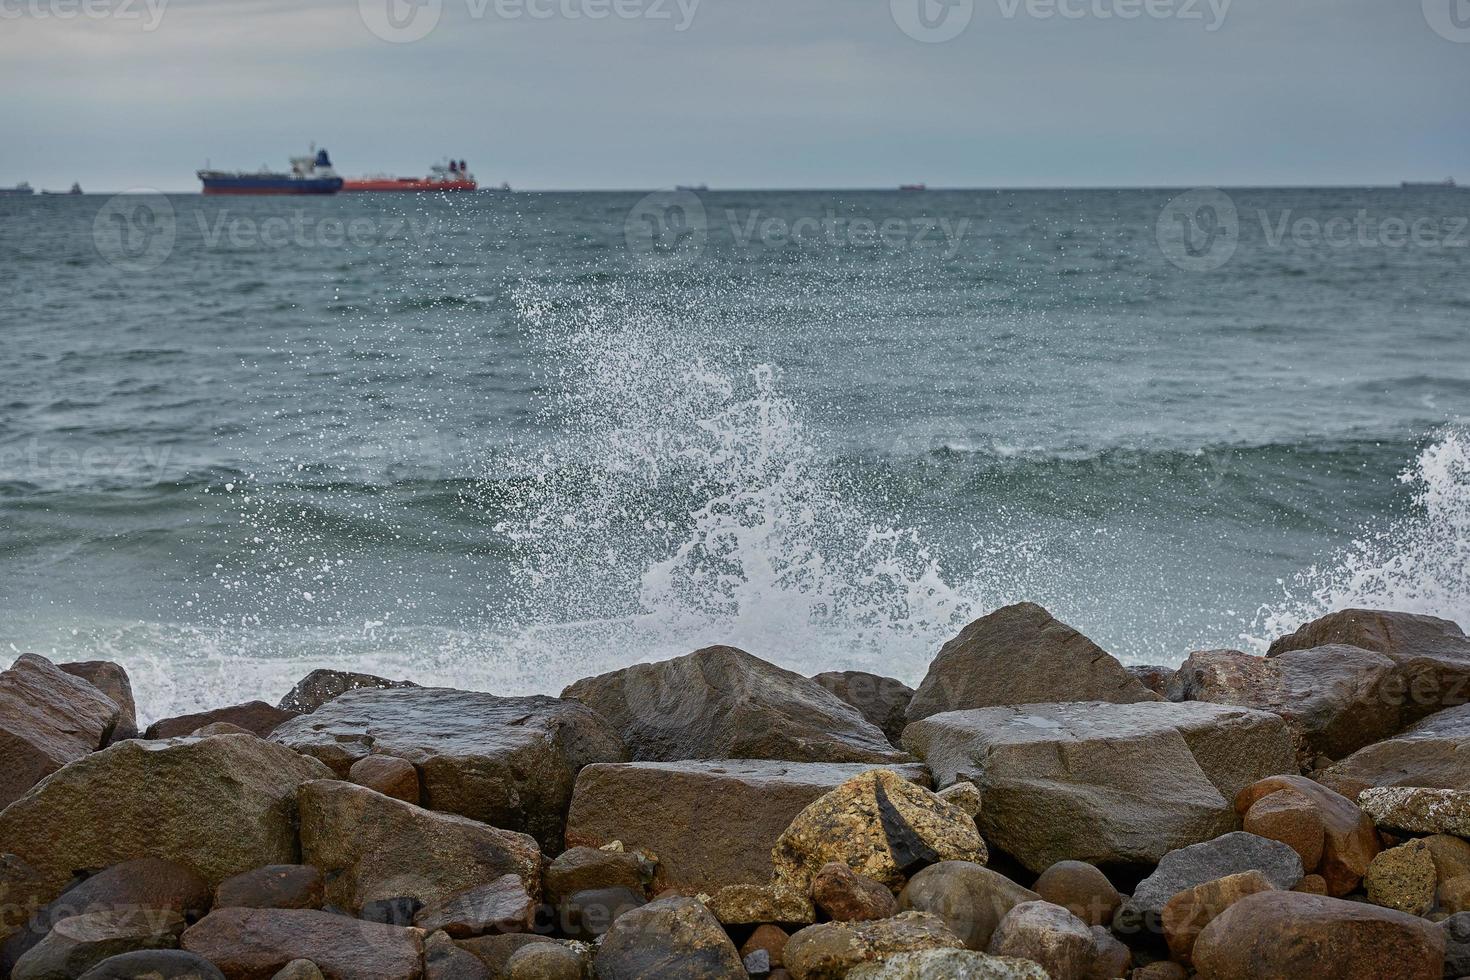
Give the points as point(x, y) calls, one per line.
point(406, 185)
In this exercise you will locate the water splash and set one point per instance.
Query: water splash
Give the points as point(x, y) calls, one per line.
point(1419, 563)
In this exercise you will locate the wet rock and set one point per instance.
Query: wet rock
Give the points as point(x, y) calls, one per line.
point(581, 868)
point(254, 716)
point(1291, 817)
point(1281, 935)
point(1103, 783)
point(880, 825)
point(949, 964)
point(276, 886)
point(321, 686)
point(48, 718)
point(76, 944)
point(218, 805)
point(546, 961)
point(830, 950)
point(252, 944)
point(969, 899)
point(710, 823)
point(1434, 753)
point(1416, 810)
point(769, 939)
point(1046, 934)
point(443, 960)
point(507, 762)
point(1348, 838)
point(1021, 655)
point(743, 905)
point(1336, 698)
point(590, 913)
point(882, 700)
point(1187, 867)
point(371, 847)
point(112, 680)
point(154, 964)
point(389, 775)
point(847, 896)
point(1403, 878)
point(1081, 889)
point(673, 937)
point(723, 703)
point(1187, 913)
point(502, 905)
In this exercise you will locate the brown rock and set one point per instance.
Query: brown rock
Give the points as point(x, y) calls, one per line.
point(1081, 889)
point(969, 899)
point(829, 950)
point(1454, 894)
point(253, 716)
point(1103, 783)
point(1349, 840)
point(48, 718)
point(881, 826)
point(154, 964)
point(965, 795)
point(276, 886)
point(495, 951)
point(1187, 913)
point(1430, 753)
point(546, 961)
point(1110, 958)
point(1311, 885)
point(508, 762)
point(882, 700)
point(1046, 934)
point(76, 944)
point(710, 824)
point(321, 686)
point(252, 944)
point(674, 937)
point(112, 680)
point(847, 896)
point(1021, 655)
point(1417, 810)
point(220, 728)
point(1292, 818)
point(371, 847)
point(771, 939)
point(948, 964)
point(1161, 970)
point(723, 703)
point(590, 913)
point(744, 905)
point(1336, 698)
point(1403, 878)
point(581, 868)
point(502, 905)
point(1181, 870)
point(387, 774)
point(218, 805)
point(1451, 855)
point(1283, 935)
point(1153, 677)
point(298, 970)
point(443, 960)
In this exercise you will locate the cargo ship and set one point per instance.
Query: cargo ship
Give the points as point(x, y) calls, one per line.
point(452, 176)
point(311, 174)
point(19, 190)
point(1410, 185)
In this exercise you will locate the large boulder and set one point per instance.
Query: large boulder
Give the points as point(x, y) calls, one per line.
point(48, 718)
point(880, 825)
point(253, 944)
point(1021, 655)
point(723, 703)
point(75, 945)
point(1433, 752)
point(711, 824)
point(1100, 782)
point(882, 700)
point(830, 950)
point(218, 805)
point(509, 762)
point(1432, 655)
point(1279, 935)
point(676, 938)
point(373, 848)
point(321, 686)
point(968, 898)
point(255, 717)
point(112, 680)
point(1349, 841)
point(1416, 810)
point(1336, 698)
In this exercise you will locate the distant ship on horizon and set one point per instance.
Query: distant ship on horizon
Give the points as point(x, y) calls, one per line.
point(453, 176)
point(1412, 184)
point(19, 190)
point(310, 174)
point(76, 190)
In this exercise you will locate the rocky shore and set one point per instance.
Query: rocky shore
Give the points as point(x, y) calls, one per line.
point(1034, 809)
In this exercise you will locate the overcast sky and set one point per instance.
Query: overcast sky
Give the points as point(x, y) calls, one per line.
point(742, 93)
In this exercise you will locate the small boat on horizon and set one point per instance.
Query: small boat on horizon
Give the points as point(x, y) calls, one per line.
point(19, 190)
point(1448, 182)
point(452, 176)
point(691, 188)
point(913, 188)
point(310, 174)
point(76, 190)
